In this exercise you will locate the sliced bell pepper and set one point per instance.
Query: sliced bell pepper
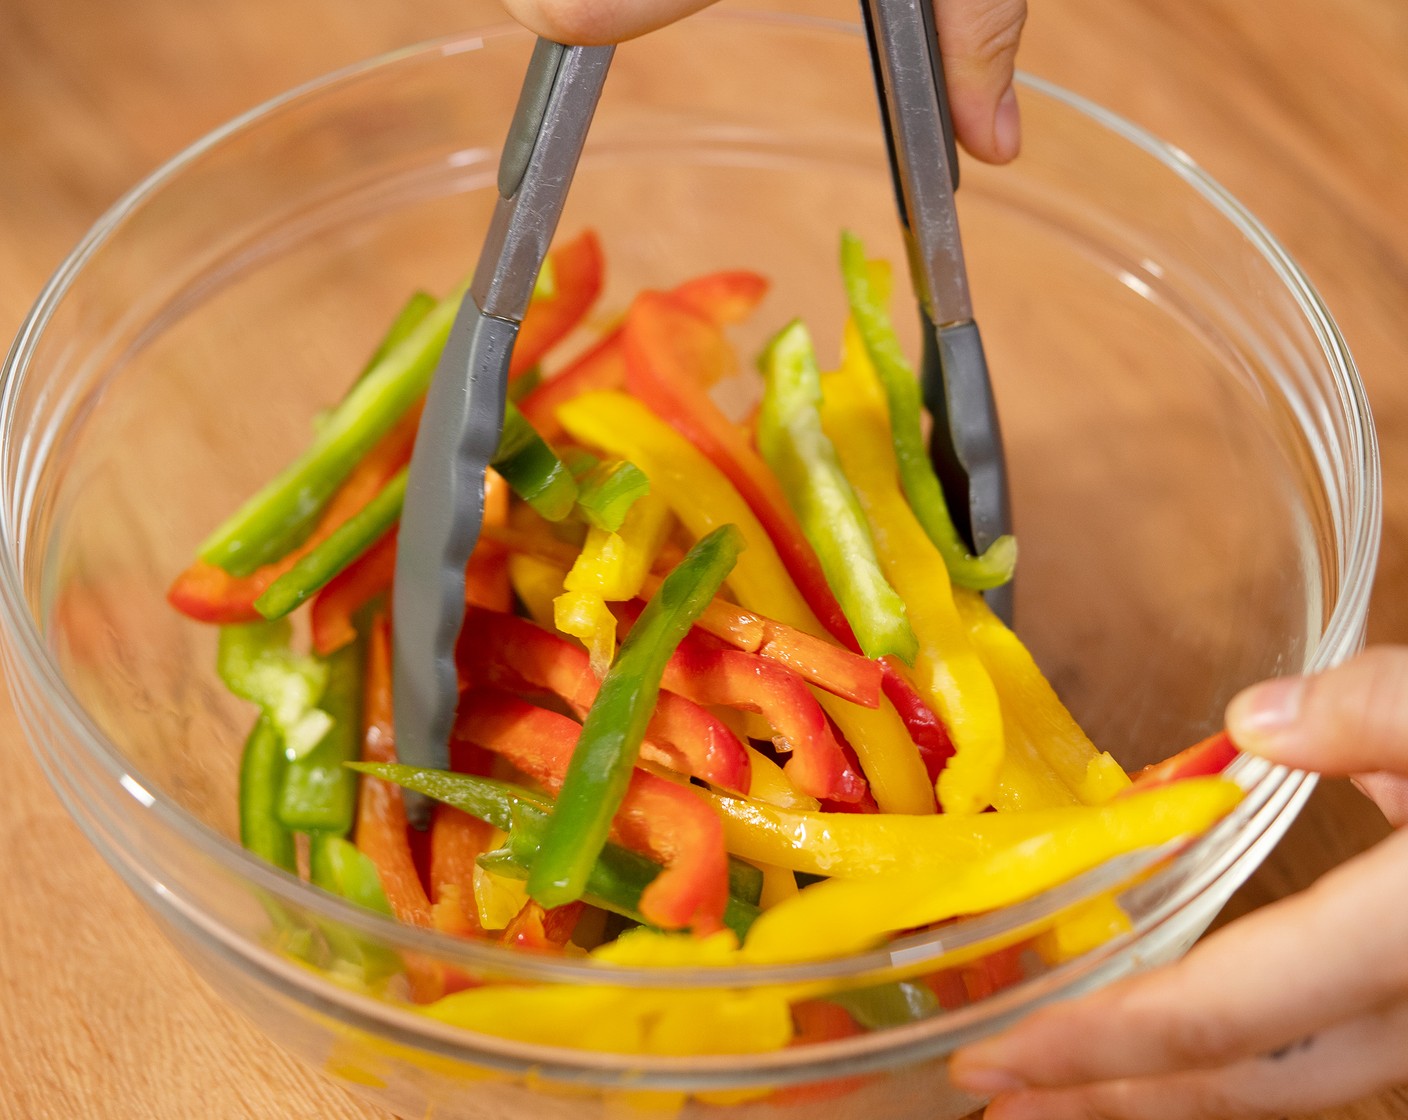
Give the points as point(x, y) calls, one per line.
point(946, 668)
point(803, 459)
point(702, 498)
point(838, 671)
point(711, 675)
point(262, 767)
point(606, 493)
point(720, 297)
point(1211, 756)
point(344, 545)
point(333, 609)
point(618, 879)
point(576, 268)
point(656, 816)
point(601, 766)
point(211, 594)
point(515, 654)
point(847, 915)
point(255, 662)
point(927, 730)
point(281, 514)
point(319, 793)
point(417, 307)
point(381, 811)
point(541, 930)
point(1094, 777)
point(457, 840)
point(921, 485)
point(671, 355)
point(532, 469)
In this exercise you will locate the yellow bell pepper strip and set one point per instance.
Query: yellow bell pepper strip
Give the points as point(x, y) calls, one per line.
point(604, 757)
point(767, 783)
point(1026, 781)
point(921, 485)
point(702, 498)
point(614, 1019)
point(946, 669)
point(1094, 777)
point(537, 583)
point(849, 915)
point(611, 567)
point(795, 447)
point(823, 664)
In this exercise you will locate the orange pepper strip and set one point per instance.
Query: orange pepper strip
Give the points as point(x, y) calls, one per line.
point(456, 841)
point(381, 812)
point(657, 817)
point(544, 930)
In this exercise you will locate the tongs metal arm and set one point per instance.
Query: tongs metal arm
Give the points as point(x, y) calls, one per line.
point(464, 410)
point(966, 442)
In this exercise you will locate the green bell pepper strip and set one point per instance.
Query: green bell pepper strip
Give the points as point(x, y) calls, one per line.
point(803, 458)
point(407, 319)
point(255, 662)
point(609, 744)
point(319, 792)
point(532, 469)
point(262, 767)
point(344, 545)
point(335, 865)
point(887, 1005)
point(921, 486)
point(606, 493)
point(524, 459)
point(284, 511)
point(616, 880)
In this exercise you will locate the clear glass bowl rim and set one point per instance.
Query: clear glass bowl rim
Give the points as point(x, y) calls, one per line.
point(1342, 634)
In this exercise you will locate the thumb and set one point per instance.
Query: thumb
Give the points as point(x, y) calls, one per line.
point(594, 22)
point(1348, 720)
point(978, 39)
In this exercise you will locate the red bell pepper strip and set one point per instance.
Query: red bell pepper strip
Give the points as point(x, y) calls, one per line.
point(457, 840)
point(381, 813)
point(210, 594)
point(708, 673)
point(842, 672)
point(925, 727)
point(1211, 756)
point(515, 654)
point(333, 608)
point(656, 817)
point(720, 297)
point(671, 355)
point(577, 269)
point(544, 930)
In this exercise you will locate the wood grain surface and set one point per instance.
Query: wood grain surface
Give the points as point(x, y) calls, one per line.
point(1300, 108)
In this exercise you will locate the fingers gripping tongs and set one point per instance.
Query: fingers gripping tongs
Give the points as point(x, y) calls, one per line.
point(464, 410)
point(966, 441)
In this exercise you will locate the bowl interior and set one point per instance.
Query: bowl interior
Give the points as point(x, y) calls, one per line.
point(1177, 537)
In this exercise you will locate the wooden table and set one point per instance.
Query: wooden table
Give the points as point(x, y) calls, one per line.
point(1301, 111)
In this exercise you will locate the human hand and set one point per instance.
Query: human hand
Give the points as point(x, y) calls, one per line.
point(1300, 1006)
point(978, 39)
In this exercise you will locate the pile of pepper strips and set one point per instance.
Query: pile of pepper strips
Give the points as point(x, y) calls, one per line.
point(796, 680)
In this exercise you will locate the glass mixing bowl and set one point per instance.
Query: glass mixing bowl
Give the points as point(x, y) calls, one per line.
point(1193, 471)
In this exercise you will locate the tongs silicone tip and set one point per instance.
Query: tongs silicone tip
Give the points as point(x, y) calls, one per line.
point(966, 441)
point(464, 410)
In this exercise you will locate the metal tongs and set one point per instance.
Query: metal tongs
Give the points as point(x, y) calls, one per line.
point(966, 442)
point(464, 409)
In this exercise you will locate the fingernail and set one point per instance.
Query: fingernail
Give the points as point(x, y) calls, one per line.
point(986, 1081)
point(1007, 127)
point(1261, 715)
